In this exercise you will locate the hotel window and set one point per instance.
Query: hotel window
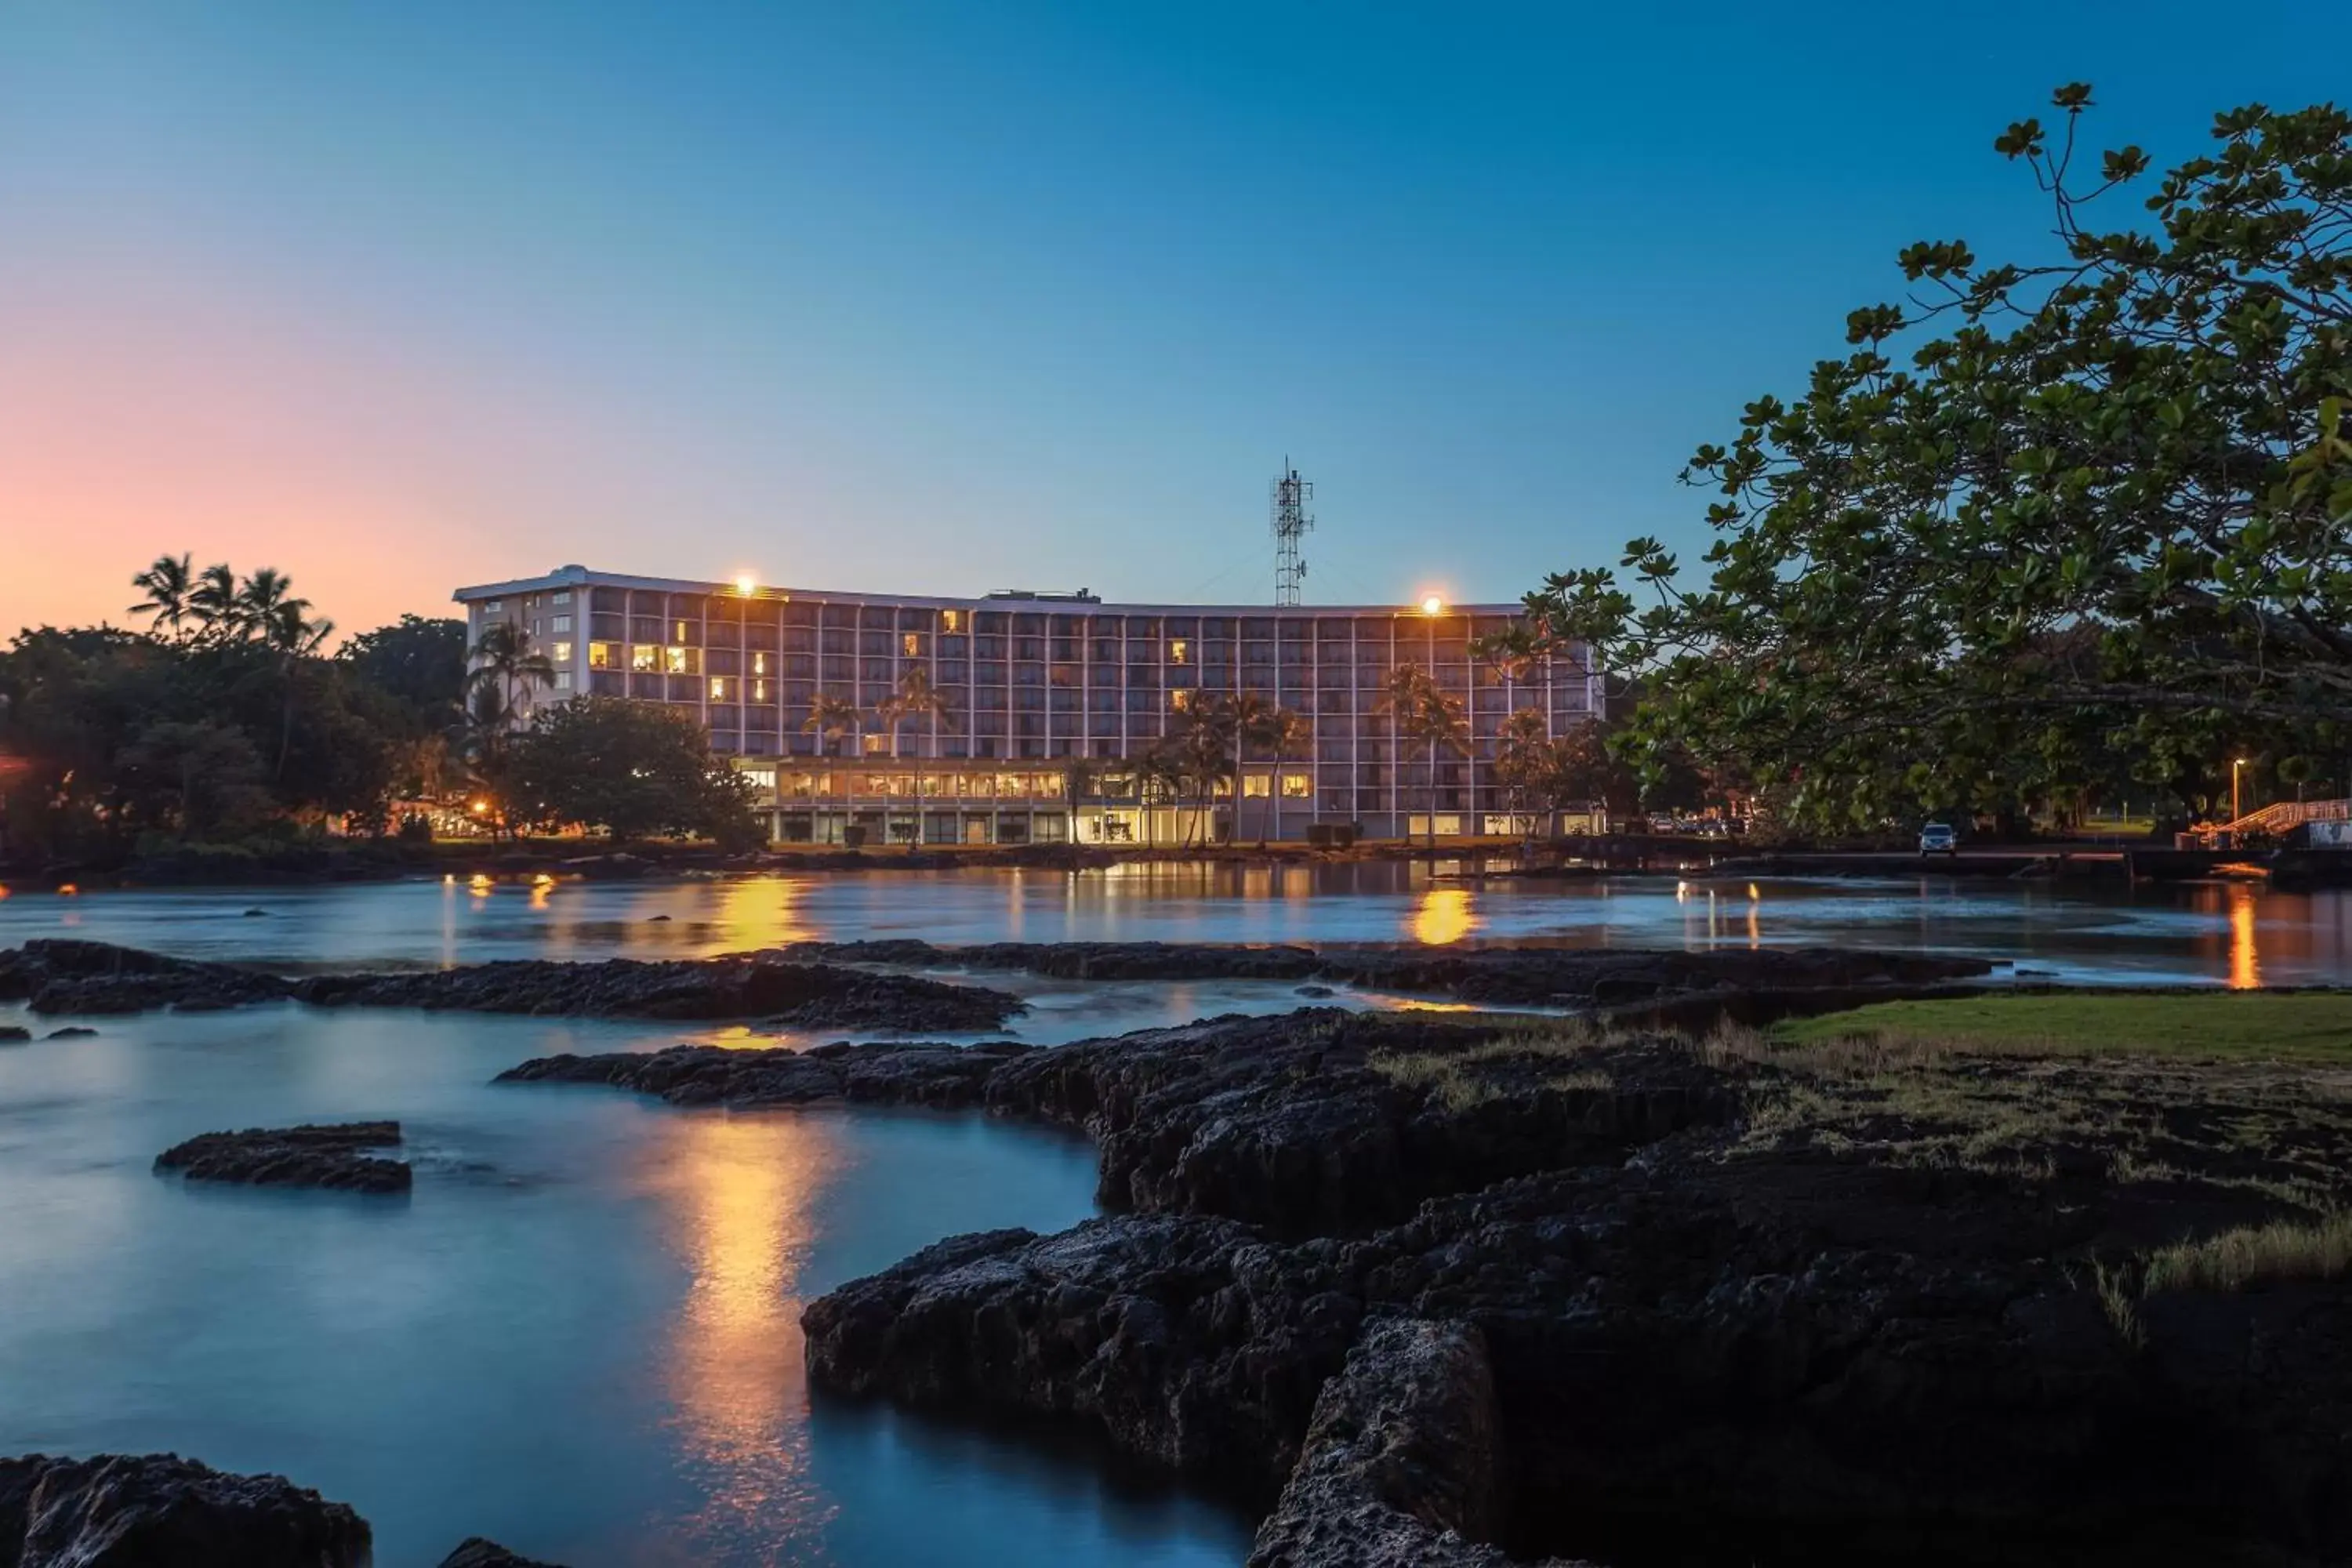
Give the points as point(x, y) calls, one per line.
point(496, 606)
point(677, 631)
point(952, 620)
point(564, 681)
point(1179, 652)
point(874, 745)
point(759, 691)
point(643, 657)
point(759, 664)
point(599, 656)
point(1180, 699)
point(561, 653)
point(561, 624)
point(718, 689)
point(911, 644)
point(763, 777)
point(1253, 786)
point(564, 597)
point(680, 660)
point(1298, 786)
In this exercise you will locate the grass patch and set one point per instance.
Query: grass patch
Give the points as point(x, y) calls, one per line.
point(2254, 1255)
point(2283, 1026)
point(1454, 1077)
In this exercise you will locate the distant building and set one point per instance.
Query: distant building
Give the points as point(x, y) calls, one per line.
point(1031, 683)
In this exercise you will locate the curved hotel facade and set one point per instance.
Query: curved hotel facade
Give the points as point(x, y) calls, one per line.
point(1030, 682)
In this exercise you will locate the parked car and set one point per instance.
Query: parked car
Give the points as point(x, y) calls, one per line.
point(1937, 838)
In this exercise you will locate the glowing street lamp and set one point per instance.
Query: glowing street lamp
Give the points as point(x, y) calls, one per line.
point(2234, 765)
point(1433, 605)
point(745, 582)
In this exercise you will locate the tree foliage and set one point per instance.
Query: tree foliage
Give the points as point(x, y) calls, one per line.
point(2047, 529)
point(635, 770)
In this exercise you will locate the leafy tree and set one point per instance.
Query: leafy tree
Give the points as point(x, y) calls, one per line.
point(505, 660)
point(636, 770)
point(199, 778)
point(417, 662)
point(2045, 522)
point(1284, 731)
point(1425, 717)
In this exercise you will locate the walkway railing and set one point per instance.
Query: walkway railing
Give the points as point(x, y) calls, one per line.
point(2278, 818)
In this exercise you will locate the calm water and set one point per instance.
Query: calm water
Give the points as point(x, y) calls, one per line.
point(579, 1334)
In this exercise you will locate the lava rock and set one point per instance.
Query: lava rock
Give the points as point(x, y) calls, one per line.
point(57, 975)
point(1402, 1464)
point(14, 1034)
point(946, 1076)
point(1183, 1339)
point(70, 1032)
point(307, 1156)
point(476, 1553)
point(124, 1511)
point(791, 994)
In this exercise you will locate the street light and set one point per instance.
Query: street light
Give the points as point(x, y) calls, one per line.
point(1433, 605)
point(745, 582)
point(2234, 765)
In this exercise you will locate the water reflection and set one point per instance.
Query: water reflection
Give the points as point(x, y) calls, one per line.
point(1445, 916)
point(2245, 962)
point(740, 1192)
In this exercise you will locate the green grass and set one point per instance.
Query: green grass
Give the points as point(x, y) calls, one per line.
point(2255, 1254)
point(2305, 1026)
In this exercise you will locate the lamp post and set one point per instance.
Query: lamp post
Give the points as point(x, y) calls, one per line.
point(2234, 765)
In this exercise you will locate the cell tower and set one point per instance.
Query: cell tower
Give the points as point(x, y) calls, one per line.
point(1291, 522)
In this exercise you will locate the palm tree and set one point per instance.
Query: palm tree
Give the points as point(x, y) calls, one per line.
point(1427, 716)
point(1282, 731)
point(1248, 712)
point(830, 718)
point(167, 585)
point(915, 698)
point(1202, 746)
point(260, 599)
point(1158, 775)
point(504, 659)
point(212, 602)
point(483, 737)
point(289, 632)
point(1445, 724)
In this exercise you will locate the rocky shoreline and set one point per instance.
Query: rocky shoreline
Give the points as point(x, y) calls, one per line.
point(123, 1511)
point(61, 976)
point(1733, 1304)
point(335, 1157)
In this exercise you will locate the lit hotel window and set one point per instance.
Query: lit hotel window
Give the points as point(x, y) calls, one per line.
point(1179, 650)
point(759, 691)
point(599, 656)
point(678, 632)
point(952, 620)
point(642, 656)
point(678, 660)
point(911, 644)
point(759, 664)
point(1253, 786)
point(561, 653)
point(874, 744)
point(1298, 786)
point(718, 689)
point(1180, 699)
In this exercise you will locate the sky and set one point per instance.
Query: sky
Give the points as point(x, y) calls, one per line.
point(946, 299)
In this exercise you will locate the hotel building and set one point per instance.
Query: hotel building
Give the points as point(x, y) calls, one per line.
point(1032, 681)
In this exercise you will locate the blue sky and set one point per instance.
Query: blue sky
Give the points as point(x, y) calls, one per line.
point(949, 299)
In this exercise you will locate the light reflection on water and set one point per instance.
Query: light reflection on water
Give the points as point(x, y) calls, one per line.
point(2222, 933)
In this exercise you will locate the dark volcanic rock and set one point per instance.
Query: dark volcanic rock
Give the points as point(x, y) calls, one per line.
point(327, 1156)
point(1507, 977)
point(476, 1553)
point(1403, 1465)
point(147, 1511)
point(941, 1076)
point(803, 996)
point(14, 1034)
point(1732, 1310)
point(70, 1032)
point(1183, 1339)
point(61, 976)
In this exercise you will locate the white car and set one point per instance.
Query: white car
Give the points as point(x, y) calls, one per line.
point(1937, 838)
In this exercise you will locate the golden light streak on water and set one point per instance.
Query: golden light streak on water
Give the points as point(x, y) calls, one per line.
point(1443, 916)
point(741, 1193)
point(760, 911)
point(2245, 960)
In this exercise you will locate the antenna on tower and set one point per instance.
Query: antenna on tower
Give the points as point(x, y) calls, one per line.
point(1291, 522)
